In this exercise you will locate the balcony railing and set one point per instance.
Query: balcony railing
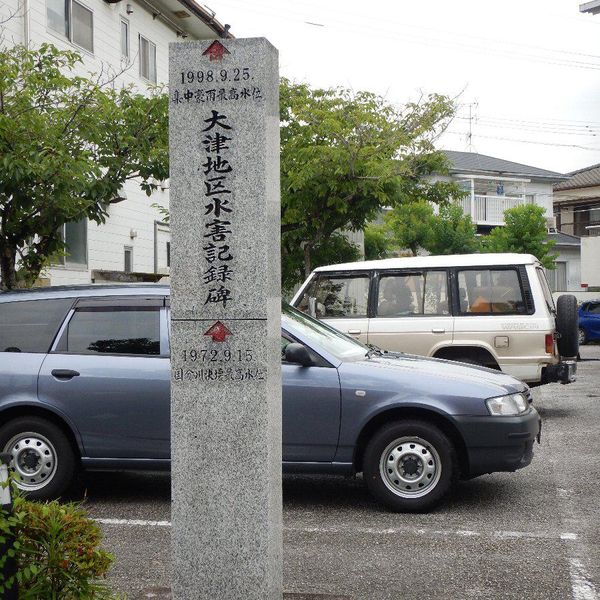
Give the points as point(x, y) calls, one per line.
point(489, 210)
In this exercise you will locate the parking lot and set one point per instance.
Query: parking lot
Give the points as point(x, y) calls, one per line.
point(531, 534)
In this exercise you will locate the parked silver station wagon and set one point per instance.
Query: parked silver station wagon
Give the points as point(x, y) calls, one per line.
point(84, 383)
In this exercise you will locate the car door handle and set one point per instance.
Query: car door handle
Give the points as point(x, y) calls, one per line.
point(354, 331)
point(438, 330)
point(64, 373)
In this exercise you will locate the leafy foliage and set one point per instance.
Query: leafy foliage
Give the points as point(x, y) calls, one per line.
point(525, 232)
point(336, 249)
point(57, 552)
point(410, 225)
point(452, 232)
point(378, 243)
point(344, 155)
point(67, 146)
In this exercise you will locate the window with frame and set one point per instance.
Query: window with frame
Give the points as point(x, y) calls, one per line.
point(30, 325)
point(593, 308)
point(73, 20)
point(408, 294)
point(490, 291)
point(338, 296)
point(128, 260)
point(113, 330)
point(74, 235)
point(124, 38)
point(147, 59)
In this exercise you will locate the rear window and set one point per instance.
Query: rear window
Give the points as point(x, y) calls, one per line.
point(113, 331)
point(490, 291)
point(30, 325)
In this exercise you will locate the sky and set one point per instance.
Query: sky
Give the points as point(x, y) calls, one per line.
point(525, 73)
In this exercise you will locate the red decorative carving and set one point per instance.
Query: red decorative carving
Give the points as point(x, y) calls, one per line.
point(216, 51)
point(218, 332)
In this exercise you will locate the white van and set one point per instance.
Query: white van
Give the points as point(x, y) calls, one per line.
point(494, 310)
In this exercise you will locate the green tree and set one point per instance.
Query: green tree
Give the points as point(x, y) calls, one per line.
point(336, 249)
point(378, 243)
point(452, 232)
point(525, 232)
point(67, 146)
point(410, 225)
point(344, 155)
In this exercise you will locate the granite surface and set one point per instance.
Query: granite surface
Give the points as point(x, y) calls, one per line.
point(226, 323)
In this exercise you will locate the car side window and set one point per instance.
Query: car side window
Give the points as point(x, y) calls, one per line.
point(113, 330)
point(594, 309)
point(337, 296)
point(30, 325)
point(490, 291)
point(408, 294)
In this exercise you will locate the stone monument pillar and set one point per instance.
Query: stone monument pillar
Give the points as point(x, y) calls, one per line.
point(226, 320)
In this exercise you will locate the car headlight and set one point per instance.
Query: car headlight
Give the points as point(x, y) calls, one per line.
point(506, 406)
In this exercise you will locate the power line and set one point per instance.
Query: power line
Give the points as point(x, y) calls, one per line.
point(484, 47)
point(538, 128)
point(528, 141)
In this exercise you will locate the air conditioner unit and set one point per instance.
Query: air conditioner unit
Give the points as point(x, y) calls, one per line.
point(551, 224)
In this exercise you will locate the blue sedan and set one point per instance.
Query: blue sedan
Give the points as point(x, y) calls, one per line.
point(589, 322)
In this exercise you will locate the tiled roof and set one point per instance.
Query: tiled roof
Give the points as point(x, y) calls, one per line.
point(564, 239)
point(587, 177)
point(471, 162)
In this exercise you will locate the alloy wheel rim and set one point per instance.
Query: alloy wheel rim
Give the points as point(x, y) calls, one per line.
point(410, 467)
point(34, 460)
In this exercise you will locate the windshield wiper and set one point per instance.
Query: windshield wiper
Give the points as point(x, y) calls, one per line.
point(375, 351)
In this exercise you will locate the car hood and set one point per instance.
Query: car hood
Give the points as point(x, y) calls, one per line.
point(443, 376)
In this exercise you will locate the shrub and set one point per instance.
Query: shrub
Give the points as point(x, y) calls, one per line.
point(57, 551)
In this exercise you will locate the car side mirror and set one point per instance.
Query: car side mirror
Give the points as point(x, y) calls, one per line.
point(298, 354)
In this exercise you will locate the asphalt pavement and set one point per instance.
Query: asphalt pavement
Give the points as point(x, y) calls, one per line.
point(532, 534)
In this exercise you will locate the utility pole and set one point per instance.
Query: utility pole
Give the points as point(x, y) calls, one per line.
point(472, 116)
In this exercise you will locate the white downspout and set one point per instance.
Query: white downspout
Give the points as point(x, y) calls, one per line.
point(473, 200)
point(26, 23)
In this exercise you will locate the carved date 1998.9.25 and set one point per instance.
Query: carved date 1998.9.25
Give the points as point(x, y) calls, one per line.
point(216, 75)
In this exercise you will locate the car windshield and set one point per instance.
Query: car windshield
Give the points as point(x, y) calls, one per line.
point(332, 341)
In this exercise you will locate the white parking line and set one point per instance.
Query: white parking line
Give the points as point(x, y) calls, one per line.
point(133, 522)
point(420, 531)
point(583, 588)
point(579, 550)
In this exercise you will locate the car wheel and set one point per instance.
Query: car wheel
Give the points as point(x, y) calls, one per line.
point(410, 465)
point(582, 337)
point(42, 457)
point(567, 325)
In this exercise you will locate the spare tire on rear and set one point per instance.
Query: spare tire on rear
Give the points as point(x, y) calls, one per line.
point(567, 325)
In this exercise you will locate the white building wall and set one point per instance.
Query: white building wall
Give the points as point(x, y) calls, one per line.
point(543, 195)
point(572, 259)
point(106, 242)
point(13, 27)
point(590, 261)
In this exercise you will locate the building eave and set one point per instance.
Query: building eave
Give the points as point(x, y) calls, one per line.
point(548, 178)
point(207, 17)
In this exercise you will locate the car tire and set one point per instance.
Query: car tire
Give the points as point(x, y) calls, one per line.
point(567, 325)
point(43, 460)
point(410, 465)
point(582, 337)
